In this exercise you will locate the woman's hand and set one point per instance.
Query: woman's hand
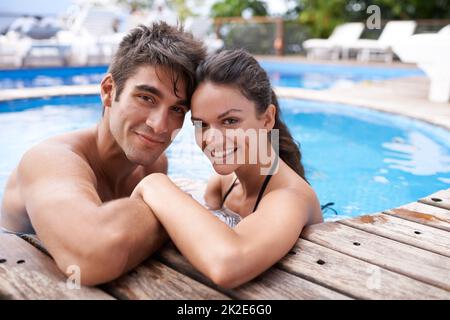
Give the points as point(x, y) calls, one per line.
point(137, 192)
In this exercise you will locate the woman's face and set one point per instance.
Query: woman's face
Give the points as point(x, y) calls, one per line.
point(227, 126)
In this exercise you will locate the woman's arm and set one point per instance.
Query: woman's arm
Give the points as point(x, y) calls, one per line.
point(229, 257)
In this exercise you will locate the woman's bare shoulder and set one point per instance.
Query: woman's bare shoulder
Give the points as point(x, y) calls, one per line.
point(289, 182)
point(216, 188)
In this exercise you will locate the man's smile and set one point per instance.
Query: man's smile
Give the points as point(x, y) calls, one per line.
point(149, 140)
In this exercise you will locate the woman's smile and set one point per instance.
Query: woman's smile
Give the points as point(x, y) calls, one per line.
point(221, 153)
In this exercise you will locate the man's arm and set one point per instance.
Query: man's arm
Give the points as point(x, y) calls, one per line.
point(103, 239)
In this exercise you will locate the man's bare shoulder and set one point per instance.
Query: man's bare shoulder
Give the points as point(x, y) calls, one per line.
point(67, 153)
point(79, 141)
point(55, 164)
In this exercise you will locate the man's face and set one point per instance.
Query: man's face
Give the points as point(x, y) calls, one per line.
point(148, 114)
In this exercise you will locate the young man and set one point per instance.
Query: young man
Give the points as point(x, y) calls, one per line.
point(73, 191)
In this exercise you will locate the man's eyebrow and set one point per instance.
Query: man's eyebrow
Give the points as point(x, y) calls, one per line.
point(149, 89)
point(227, 112)
point(159, 94)
point(183, 102)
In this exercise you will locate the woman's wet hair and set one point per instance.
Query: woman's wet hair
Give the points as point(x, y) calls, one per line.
point(239, 69)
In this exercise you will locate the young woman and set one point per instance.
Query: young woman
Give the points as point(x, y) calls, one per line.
point(234, 96)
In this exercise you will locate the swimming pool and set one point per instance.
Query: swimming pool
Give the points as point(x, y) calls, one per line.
point(47, 77)
point(299, 75)
point(362, 160)
point(324, 76)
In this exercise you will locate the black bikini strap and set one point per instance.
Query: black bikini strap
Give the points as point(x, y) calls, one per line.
point(229, 190)
point(266, 182)
point(261, 192)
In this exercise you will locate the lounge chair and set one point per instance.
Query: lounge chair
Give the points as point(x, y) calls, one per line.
point(13, 49)
point(160, 11)
point(342, 35)
point(431, 52)
point(20, 36)
point(393, 32)
point(94, 36)
point(90, 39)
point(445, 30)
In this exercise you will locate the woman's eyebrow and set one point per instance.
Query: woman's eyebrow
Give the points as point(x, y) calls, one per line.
point(196, 119)
point(227, 112)
point(220, 115)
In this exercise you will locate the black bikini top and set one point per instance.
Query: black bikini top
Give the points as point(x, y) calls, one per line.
point(261, 191)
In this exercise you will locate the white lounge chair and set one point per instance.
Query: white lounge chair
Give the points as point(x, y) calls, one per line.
point(13, 49)
point(431, 52)
point(20, 36)
point(393, 32)
point(94, 38)
point(202, 29)
point(343, 34)
point(445, 30)
point(160, 11)
point(90, 39)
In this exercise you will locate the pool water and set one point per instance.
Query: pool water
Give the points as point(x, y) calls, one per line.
point(324, 76)
point(47, 77)
point(299, 75)
point(361, 160)
point(366, 161)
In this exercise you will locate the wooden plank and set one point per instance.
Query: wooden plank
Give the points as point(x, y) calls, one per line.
point(156, 281)
point(439, 199)
point(273, 284)
point(354, 277)
point(415, 234)
point(424, 214)
point(417, 263)
point(27, 273)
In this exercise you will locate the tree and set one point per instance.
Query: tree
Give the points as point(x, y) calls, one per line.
point(136, 4)
point(412, 9)
point(323, 15)
point(182, 9)
point(234, 8)
point(179, 6)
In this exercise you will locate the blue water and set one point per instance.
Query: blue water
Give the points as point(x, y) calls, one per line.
point(318, 77)
point(47, 77)
point(364, 161)
point(300, 75)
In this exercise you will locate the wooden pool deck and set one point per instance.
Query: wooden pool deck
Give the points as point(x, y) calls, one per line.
point(402, 253)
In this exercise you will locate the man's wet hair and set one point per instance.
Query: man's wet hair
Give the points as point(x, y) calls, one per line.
point(158, 45)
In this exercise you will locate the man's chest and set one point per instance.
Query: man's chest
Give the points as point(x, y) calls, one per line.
point(108, 192)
